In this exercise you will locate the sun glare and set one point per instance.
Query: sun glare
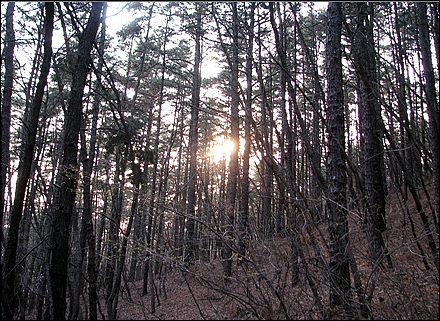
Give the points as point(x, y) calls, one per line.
point(221, 148)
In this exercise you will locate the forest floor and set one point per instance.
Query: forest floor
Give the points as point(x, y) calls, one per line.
point(263, 288)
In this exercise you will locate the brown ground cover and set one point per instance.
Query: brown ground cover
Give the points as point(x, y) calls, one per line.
point(261, 288)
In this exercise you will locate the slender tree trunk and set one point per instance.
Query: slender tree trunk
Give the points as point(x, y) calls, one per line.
point(179, 219)
point(153, 194)
point(115, 222)
point(436, 15)
point(75, 267)
point(24, 271)
point(193, 141)
point(8, 53)
point(267, 133)
point(372, 132)
point(231, 187)
point(340, 289)
point(432, 102)
point(243, 220)
point(139, 221)
point(87, 238)
point(288, 152)
point(24, 170)
point(112, 301)
point(69, 166)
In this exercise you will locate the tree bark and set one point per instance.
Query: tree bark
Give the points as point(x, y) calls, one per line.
point(431, 99)
point(372, 133)
point(193, 140)
point(139, 219)
point(69, 166)
point(231, 187)
point(243, 219)
point(8, 53)
point(267, 134)
point(87, 238)
point(115, 222)
point(287, 134)
point(112, 301)
point(24, 169)
point(340, 289)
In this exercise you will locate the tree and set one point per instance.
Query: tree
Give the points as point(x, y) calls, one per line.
point(139, 221)
point(8, 53)
point(69, 166)
point(286, 222)
point(24, 169)
point(88, 158)
point(431, 99)
point(243, 217)
point(193, 138)
point(231, 186)
point(340, 288)
point(371, 129)
point(287, 153)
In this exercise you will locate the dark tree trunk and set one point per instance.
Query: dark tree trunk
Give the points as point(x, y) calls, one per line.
point(231, 187)
point(243, 219)
point(267, 133)
point(431, 99)
point(372, 133)
point(87, 237)
point(287, 134)
point(340, 289)
point(115, 222)
point(112, 301)
point(8, 53)
point(87, 232)
point(69, 166)
point(154, 197)
point(24, 170)
point(139, 219)
point(193, 141)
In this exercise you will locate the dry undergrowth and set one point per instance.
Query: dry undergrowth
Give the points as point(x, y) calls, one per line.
point(262, 288)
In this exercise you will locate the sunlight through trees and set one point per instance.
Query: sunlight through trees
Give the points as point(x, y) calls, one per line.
point(271, 160)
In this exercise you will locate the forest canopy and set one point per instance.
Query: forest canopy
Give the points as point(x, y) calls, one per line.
point(292, 147)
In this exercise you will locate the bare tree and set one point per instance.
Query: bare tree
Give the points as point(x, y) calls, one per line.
point(87, 238)
point(69, 166)
point(340, 288)
point(193, 139)
point(231, 186)
point(243, 217)
point(431, 99)
point(8, 54)
point(24, 169)
point(369, 109)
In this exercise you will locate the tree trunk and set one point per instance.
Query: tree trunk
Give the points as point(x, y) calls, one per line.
point(139, 221)
point(151, 218)
point(69, 166)
point(87, 238)
point(372, 132)
point(112, 301)
point(431, 99)
point(24, 170)
point(8, 53)
point(115, 222)
point(267, 133)
point(340, 289)
point(287, 134)
point(193, 141)
point(231, 187)
point(243, 224)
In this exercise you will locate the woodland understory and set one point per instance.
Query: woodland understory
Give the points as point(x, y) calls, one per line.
point(408, 291)
point(220, 160)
